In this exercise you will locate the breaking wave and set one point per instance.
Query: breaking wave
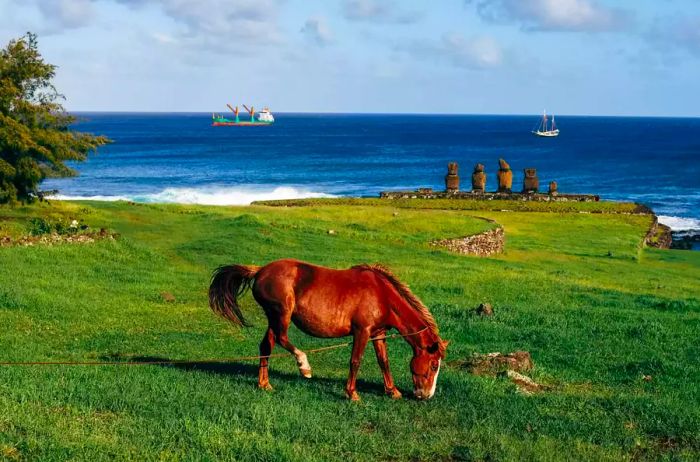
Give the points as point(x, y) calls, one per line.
point(680, 223)
point(207, 196)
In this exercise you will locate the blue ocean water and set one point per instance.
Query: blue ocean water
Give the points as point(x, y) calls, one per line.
point(182, 158)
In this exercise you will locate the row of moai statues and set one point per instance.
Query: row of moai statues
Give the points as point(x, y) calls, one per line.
point(531, 184)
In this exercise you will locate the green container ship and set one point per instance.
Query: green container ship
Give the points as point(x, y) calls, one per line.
point(265, 117)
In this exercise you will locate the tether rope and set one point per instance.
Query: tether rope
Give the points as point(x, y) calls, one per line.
point(196, 361)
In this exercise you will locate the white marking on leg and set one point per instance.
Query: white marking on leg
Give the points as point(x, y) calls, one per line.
point(432, 390)
point(303, 363)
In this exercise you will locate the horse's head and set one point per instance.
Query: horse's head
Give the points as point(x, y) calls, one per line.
point(425, 367)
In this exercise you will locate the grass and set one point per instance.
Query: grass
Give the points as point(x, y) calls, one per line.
point(472, 204)
point(596, 310)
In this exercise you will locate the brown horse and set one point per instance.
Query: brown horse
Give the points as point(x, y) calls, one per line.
point(363, 301)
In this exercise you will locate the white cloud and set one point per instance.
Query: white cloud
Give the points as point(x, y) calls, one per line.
point(163, 38)
point(378, 11)
point(478, 52)
point(670, 35)
point(554, 15)
point(316, 29)
point(220, 25)
point(56, 15)
point(68, 13)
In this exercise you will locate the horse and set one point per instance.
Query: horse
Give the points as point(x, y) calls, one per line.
point(363, 301)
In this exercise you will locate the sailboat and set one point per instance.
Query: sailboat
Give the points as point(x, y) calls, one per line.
point(545, 128)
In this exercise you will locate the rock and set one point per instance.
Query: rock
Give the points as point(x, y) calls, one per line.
point(524, 383)
point(396, 214)
point(659, 235)
point(683, 239)
point(55, 238)
point(483, 244)
point(331, 231)
point(505, 177)
point(553, 188)
point(167, 297)
point(452, 178)
point(478, 179)
point(484, 309)
point(531, 183)
point(494, 363)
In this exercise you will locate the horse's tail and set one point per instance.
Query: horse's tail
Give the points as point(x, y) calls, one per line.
point(227, 284)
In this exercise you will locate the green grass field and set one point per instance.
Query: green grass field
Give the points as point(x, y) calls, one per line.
point(596, 310)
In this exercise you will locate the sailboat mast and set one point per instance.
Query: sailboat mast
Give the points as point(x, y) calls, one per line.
point(544, 121)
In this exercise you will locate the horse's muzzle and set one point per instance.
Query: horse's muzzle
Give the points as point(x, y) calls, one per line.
point(422, 395)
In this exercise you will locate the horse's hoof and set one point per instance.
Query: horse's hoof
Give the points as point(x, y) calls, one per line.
point(353, 396)
point(305, 373)
point(266, 386)
point(394, 394)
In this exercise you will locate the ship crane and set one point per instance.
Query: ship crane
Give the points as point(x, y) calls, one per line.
point(251, 111)
point(235, 111)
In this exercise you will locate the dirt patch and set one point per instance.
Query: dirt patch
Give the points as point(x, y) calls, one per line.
point(494, 363)
point(524, 384)
point(484, 309)
point(508, 366)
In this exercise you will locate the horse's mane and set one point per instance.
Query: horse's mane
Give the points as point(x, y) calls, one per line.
point(406, 294)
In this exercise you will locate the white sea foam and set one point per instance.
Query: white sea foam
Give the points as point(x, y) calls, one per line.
point(680, 223)
point(207, 196)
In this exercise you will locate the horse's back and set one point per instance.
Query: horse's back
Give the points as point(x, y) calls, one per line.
point(280, 278)
point(326, 302)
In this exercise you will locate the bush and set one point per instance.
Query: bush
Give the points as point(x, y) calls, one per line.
point(39, 226)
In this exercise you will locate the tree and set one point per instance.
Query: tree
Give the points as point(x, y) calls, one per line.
point(35, 135)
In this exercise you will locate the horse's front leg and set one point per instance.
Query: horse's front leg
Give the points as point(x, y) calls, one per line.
point(383, 360)
point(266, 346)
point(359, 343)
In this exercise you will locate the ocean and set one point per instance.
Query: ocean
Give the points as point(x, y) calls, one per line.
point(182, 158)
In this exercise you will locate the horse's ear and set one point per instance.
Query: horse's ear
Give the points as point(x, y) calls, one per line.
point(443, 347)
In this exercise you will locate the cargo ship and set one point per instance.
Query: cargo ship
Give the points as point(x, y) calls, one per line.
point(265, 117)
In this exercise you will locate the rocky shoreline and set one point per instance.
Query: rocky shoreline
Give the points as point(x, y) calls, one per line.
point(687, 239)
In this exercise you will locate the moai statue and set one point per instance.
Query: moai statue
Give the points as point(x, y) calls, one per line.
point(531, 183)
point(478, 179)
point(505, 177)
point(553, 188)
point(452, 179)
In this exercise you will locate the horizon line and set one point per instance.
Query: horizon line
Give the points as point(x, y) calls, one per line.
point(448, 114)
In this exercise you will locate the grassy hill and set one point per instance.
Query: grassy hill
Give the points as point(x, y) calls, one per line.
point(596, 310)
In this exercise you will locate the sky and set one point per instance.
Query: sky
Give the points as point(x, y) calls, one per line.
point(587, 57)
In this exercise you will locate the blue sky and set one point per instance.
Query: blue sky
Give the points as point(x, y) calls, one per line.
point(597, 57)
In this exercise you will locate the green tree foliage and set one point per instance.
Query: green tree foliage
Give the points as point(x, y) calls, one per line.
point(35, 135)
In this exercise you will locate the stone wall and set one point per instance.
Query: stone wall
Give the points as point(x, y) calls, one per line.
point(483, 244)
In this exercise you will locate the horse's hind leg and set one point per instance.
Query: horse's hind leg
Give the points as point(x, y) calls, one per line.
point(383, 360)
point(266, 346)
point(283, 339)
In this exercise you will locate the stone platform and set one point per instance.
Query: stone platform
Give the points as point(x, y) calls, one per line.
point(428, 193)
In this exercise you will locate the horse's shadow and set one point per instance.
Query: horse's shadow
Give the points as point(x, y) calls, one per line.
point(249, 372)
